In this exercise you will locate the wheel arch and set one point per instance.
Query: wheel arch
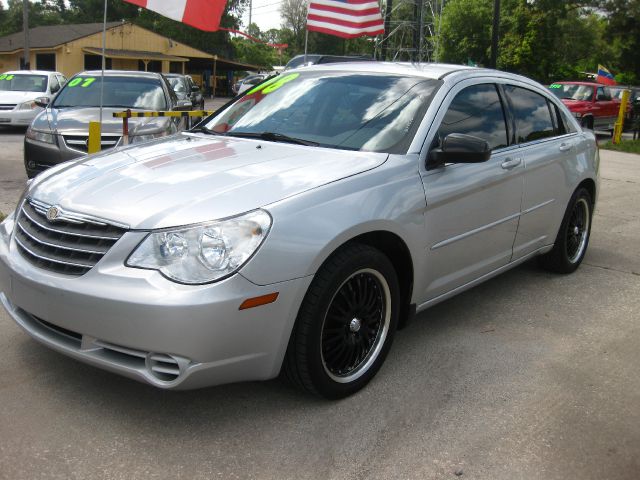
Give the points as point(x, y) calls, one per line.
point(397, 251)
point(590, 185)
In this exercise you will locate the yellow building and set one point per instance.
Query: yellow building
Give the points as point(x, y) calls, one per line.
point(73, 48)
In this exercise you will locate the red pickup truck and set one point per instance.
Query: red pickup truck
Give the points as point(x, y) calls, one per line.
point(591, 103)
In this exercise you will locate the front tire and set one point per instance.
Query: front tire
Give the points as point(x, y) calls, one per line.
point(573, 238)
point(346, 323)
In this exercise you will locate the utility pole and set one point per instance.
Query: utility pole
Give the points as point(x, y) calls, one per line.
point(25, 28)
point(387, 30)
point(494, 33)
point(250, 11)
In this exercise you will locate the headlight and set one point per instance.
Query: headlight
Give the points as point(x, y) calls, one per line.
point(203, 253)
point(30, 105)
point(133, 139)
point(40, 136)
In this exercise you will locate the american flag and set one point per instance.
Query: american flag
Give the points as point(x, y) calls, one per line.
point(345, 18)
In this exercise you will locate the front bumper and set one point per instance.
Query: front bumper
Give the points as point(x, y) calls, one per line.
point(39, 156)
point(136, 323)
point(18, 118)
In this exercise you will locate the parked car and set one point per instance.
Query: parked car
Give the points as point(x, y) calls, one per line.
point(247, 82)
point(186, 89)
point(61, 131)
point(298, 227)
point(316, 59)
point(19, 91)
point(591, 103)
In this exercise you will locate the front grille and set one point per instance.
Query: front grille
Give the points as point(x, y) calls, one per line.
point(80, 142)
point(71, 244)
point(7, 106)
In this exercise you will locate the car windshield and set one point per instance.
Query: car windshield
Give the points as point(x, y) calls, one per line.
point(19, 82)
point(572, 91)
point(351, 111)
point(119, 91)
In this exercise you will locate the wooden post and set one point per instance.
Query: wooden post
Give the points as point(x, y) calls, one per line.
point(94, 144)
point(215, 78)
point(617, 129)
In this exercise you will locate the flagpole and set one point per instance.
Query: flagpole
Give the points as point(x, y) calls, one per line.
point(104, 47)
point(306, 41)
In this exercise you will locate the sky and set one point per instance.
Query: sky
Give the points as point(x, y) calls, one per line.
point(266, 14)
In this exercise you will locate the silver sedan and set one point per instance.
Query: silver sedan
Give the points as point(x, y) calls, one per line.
point(300, 226)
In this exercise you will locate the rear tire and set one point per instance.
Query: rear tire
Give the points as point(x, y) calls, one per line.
point(573, 237)
point(345, 325)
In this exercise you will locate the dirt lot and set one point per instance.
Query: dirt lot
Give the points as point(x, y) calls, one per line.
point(528, 376)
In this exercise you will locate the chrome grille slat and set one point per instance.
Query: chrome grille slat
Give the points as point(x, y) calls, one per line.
point(42, 257)
point(62, 246)
point(8, 106)
point(51, 229)
point(79, 142)
point(72, 247)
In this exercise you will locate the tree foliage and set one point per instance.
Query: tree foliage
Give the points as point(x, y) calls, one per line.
point(545, 39)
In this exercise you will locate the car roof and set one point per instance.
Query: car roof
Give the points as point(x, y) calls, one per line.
point(32, 72)
point(588, 84)
point(174, 75)
point(426, 70)
point(121, 73)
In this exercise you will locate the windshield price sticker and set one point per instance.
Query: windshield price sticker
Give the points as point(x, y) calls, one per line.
point(83, 82)
point(5, 76)
point(555, 85)
point(274, 84)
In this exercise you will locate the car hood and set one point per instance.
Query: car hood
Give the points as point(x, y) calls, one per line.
point(19, 97)
point(75, 121)
point(191, 178)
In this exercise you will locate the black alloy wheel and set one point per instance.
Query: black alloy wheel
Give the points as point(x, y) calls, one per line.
point(346, 323)
point(572, 240)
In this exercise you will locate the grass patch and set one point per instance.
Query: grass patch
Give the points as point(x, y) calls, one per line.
point(2, 216)
point(628, 146)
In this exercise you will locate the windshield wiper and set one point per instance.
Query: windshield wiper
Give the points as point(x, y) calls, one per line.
point(206, 130)
point(273, 137)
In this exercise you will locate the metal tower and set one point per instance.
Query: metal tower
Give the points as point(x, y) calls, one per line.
point(411, 30)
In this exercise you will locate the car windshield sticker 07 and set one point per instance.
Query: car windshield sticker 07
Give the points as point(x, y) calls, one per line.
point(5, 76)
point(83, 82)
point(273, 84)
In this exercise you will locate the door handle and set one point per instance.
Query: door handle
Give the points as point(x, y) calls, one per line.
point(510, 163)
point(565, 146)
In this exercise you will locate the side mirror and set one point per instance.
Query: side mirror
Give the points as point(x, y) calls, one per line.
point(42, 101)
point(195, 88)
point(184, 105)
point(600, 97)
point(459, 148)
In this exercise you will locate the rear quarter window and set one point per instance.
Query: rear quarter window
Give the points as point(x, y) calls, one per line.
point(532, 114)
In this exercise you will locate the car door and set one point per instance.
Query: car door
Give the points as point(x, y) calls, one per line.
point(547, 144)
point(607, 110)
point(472, 209)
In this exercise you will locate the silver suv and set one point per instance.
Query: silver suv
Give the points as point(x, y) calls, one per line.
point(300, 226)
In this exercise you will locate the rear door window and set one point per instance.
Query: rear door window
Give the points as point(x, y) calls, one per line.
point(532, 114)
point(477, 110)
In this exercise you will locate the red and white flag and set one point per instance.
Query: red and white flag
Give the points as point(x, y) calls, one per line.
point(345, 18)
point(202, 14)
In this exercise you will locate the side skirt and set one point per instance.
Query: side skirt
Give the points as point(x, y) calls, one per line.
point(479, 280)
